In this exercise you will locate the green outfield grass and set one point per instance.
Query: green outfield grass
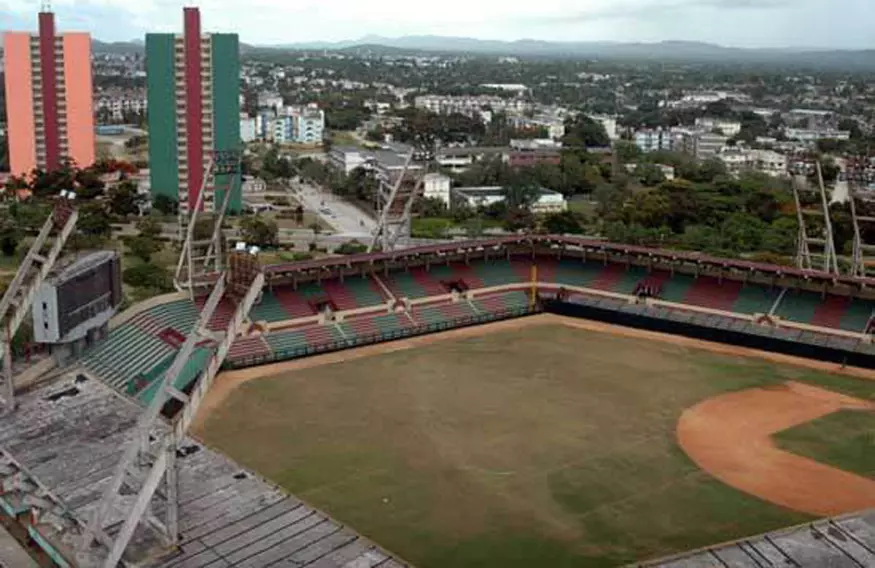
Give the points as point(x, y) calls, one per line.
point(844, 439)
point(545, 446)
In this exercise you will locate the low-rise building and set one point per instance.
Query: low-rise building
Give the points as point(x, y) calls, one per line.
point(548, 201)
point(248, 128)
point(346, 159)
point(702, 145)
point(764, 161)
point(437, 186)
point(609, 123)
point(813, 135)
point(655, 139)
point(727, 127)
point(115, 104)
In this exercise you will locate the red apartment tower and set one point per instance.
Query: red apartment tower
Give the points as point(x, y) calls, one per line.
point(49, 105)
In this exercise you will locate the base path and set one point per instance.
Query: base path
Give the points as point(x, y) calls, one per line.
point(730, 437)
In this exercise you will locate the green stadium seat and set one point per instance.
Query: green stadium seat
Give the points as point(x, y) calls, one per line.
point(799, 306)
point(753, 299)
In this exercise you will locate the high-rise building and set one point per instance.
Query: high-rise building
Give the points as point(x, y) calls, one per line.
point(193, 84)
point(49, 110)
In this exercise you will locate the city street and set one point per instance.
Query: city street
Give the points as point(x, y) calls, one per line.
point(349, 221)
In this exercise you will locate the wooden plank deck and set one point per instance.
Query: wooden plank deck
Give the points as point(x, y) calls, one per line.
point(70, 434)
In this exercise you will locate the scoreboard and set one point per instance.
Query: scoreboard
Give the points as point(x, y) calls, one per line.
point(79, 297)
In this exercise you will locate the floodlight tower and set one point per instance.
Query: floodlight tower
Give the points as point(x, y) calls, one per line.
point(149, 459)
point(36, 266)
point(201, 258)
point(396, 196)
point(815, 245)
point(859, 175)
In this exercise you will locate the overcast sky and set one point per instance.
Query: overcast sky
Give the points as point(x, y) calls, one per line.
point(744, 23)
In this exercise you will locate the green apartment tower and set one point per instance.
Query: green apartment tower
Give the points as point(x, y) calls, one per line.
point(193, 83)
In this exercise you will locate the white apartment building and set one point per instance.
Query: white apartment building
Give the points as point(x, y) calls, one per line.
point(655, 140)
point(348, 159)
point(455, 163)
point(119, 104)
point(555, 127)
point(609, 123)
point(270, 101)
point(813, 135)
point(248, 128)
point(470, 105)
point(437, 186)
point(548, 201)
point(763, 161)
point(728, 127)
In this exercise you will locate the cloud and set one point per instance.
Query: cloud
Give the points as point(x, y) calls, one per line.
point(731, 22)
point(639, 10)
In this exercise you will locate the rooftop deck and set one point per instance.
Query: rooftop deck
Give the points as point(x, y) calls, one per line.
point(844, 542)
point(70, 434)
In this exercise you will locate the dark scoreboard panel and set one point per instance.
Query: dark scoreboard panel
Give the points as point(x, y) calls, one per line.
point(88, 293)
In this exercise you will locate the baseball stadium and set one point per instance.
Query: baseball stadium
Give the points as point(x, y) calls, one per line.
point(519, 401)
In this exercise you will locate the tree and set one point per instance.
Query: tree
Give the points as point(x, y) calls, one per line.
point(4, 154)
point(144, 247)
point(351, 247)
point(88, 184)
point(852, 126)
point(165, 205)
point(94, 220)
point(148, 276)
point(627, 152)
point(520, 195)
point(431, 207)
point(256, 230)
point(650, 175)
point(9, 236)
point(149, 227)
point(583, 132)
point(564, 223)
point(125, 199)
point(519, 219)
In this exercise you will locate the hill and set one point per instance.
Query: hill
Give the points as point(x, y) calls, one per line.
point(666, 50)
point(854, 60)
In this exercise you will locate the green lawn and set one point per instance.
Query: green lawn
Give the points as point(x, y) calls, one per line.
point(546, 446)
point(844, 439)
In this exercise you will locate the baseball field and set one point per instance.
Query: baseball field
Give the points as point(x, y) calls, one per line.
point(537, 442)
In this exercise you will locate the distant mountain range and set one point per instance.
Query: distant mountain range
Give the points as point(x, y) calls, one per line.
point(662, 51)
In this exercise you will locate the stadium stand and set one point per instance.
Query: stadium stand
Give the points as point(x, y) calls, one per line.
point(838, 312)
point(354, 293)
point(495, 278)
point(139, 346)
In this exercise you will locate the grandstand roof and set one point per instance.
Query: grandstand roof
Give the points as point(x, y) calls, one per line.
point(550, 241)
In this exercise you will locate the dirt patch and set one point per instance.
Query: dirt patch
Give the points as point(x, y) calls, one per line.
point(730, 437)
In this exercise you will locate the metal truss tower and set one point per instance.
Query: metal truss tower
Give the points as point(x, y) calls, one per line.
point(815, 244)
point(860, 173)
point(34, 269)
point(202, 257)
point(396, 196)
point(149, 460)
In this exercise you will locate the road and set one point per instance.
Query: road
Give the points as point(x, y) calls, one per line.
point(841, 192)
point(348, 221)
